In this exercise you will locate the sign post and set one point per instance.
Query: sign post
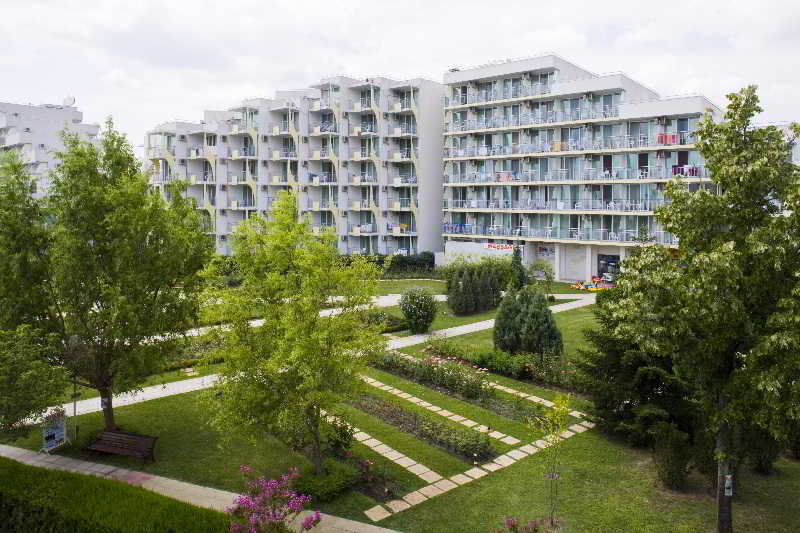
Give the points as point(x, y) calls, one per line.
point(54, 430)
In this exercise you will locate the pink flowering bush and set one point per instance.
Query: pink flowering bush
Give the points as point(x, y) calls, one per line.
point(269, 506)
point(514, 525)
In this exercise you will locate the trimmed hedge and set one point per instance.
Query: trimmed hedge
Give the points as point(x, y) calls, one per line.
point(40, 500)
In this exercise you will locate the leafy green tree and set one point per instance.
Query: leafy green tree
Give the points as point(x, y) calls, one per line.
point(24, 244)
point(524, 323)
point(519, 276)
point(717, 307)
point(283, 374)
point(553, 422)
point(631, 390)
point(469, 285)
point(419, 307)
point(123, 266)
point(549, 275)
point(29, 382)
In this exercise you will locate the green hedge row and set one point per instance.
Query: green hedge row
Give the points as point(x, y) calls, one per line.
point(40, 500)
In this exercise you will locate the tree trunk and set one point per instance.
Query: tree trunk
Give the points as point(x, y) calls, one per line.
point(724, 501)
point(108, 409)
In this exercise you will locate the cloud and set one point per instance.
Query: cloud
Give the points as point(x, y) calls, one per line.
point(148, 62)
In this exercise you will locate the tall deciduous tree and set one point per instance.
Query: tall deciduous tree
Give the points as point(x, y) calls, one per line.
point(282, 374)
point(714, 306)
point(29, 383)
point(124, 265)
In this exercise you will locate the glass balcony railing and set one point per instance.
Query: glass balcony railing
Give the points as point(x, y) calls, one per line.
point(533, 204)
point(532, 119)
point(480, 96)
point(576, 234)
point(586, 174)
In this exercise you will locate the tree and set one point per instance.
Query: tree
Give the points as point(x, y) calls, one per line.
point(554, 422)
point(524, 323)
point(123, 266)
point(419, 308)
point(24, 244)
point(29, 383)
point(631, 390)
point(548, 274)
point(282, 375)
point(519, 276)
point(717, 306)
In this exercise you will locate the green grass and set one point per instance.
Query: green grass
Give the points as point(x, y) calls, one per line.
point(64, 501)
point(434, 458)
point(187, 449)
point(478, 414)
point(399, 286)
point(606, 486)
point(571, 323)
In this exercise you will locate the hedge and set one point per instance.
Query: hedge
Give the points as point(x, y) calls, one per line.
point(51, 501)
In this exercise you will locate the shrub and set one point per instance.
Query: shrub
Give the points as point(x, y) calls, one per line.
point(671, 456)
point(337, 478)
point(389, 323)
point(524, 323)
point(338, 437)
point(464, 442)
point(36, 499)
point(476, 286)
point(270, 506)
point(447, 375)
point(794, 439)
point(519, 276)
point(761, 448)
point(419, 308)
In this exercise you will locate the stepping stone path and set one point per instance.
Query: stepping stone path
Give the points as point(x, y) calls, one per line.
point(439, 485)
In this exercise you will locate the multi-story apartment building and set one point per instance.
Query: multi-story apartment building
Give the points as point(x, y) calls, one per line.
point(363, 156)
point(569, 164)
point(34, 131)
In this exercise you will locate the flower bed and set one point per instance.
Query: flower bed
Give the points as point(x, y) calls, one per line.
point(466, 443)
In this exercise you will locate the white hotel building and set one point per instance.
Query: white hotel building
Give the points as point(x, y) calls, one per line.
point(569, 164)
point(363, 156)
point(34, 132)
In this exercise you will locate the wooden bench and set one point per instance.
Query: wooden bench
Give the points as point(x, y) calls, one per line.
point(122, 443)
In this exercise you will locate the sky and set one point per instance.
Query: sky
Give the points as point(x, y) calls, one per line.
point(145, 62)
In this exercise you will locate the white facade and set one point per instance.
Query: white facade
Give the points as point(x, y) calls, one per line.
point(363, 156)
point(569, 164)
point(34, 131)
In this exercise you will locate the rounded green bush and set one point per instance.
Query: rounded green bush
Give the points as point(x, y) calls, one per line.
point(419, 308)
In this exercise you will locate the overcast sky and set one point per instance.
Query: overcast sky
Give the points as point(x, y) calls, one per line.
point(146, 62)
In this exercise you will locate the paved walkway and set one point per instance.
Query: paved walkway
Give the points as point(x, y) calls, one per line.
point(180, 490)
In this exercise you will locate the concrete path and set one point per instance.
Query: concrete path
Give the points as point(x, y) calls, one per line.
point(197, 495)
point(92, 405)
point(387, 300)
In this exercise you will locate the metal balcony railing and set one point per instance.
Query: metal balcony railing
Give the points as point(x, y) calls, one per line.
point(477, 97)
point(578, 234)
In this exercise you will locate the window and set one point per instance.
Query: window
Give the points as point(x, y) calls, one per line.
point(211, 140)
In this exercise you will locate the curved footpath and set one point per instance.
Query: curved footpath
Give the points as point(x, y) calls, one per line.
point(215, 498)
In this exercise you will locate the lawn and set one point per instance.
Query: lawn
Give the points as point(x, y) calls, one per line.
point(572, 323)
point(399, 286)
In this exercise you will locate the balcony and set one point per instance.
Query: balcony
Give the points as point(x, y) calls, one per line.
point(586, 174)
point(401, 180)
point(242, 203)
point(157, 152)
point(323, 104)
point(202, 179)
point(285, 154)
point(361, 229)
point(401, 105)
point(556, 234)
point(402, 130)
point(627, 205)
point(283, 127)
point(323, 228)
point(363, 129)
point(478, 97)
point(247, 151)
point(404, 154)
point(394, 250)
point(322, 128)
point(323, 178)
point(533, 119)
point(357, 205)
point(401, 204)
point(317, 205)
point(401, 229)
point(361, 155)
point(363, 178)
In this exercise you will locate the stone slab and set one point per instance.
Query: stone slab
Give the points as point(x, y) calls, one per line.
point(469, 423)
point(529, 449)
point(414, 498)
point(588, 425)
point(476, 473)
point(372, 443)
point(542, 444)
point(430, 476)
point(418, 469)
point(404, 461)
point(431, 491)
point(397, 505)
point(492, 467)
point(457, 418)
point(433, 408)
point(577, 428)
point(445, 413)
point(392, 455)
point(361, 436)
point(460, 479)
point(382, 448)
point(377, 513)
point(482, 429)
point(510, 440)
point(517, 454)
point(504, 460)
point(445, 484)
point(566, 434)
point(497, 435)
